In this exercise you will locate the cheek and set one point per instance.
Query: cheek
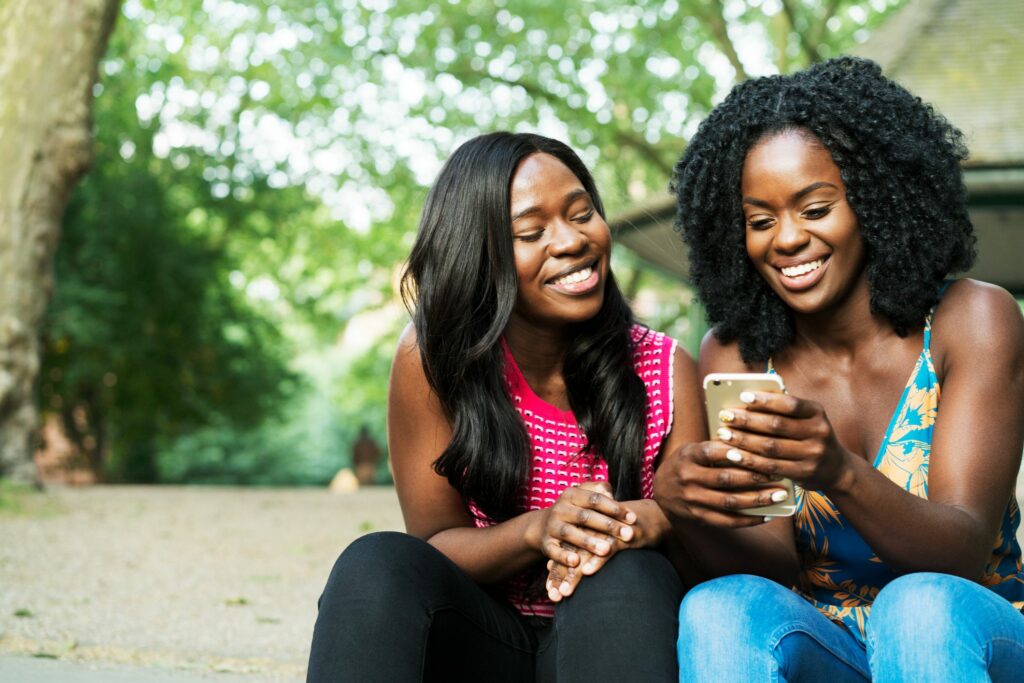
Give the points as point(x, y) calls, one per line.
point(756, 244)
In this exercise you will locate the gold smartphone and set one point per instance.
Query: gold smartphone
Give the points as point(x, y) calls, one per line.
point(722, 392)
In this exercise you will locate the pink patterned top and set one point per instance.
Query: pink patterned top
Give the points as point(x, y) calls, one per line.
point(556, 442)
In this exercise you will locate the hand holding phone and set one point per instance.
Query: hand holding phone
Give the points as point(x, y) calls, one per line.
point(722, 393)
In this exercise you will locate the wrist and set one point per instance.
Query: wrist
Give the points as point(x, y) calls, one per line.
point(651, 519)
point(846, 480)
point(534, 533)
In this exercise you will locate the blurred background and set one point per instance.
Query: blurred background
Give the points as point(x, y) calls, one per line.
point(225, 304)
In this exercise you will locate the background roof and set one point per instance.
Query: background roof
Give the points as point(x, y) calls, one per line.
point(965, 58)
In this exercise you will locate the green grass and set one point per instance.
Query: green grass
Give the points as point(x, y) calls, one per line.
point(24, 500)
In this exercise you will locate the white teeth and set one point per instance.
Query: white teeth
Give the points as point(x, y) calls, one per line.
point(802, 269)
point(573, 278)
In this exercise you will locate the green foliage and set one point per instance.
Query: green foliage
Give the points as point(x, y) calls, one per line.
point(306, 445)
point(259, 174)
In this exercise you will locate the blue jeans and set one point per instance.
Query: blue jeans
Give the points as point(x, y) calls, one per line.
point(923, 627)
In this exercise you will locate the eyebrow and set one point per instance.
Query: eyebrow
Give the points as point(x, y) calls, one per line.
point(569, 199)
point(799, 195)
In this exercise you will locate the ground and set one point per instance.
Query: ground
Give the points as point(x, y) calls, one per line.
point(130, 584)
point(174, 584)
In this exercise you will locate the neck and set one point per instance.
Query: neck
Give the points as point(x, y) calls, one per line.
point(844, 327)
point(539, 350)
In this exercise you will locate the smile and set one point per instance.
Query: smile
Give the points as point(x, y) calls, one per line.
point(802, 269)
point(803, 275)
point(573, 278)
point(580, 281)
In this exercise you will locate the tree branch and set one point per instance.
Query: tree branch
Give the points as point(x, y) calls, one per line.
point(536, 91)
point(809, 48)
point(814, 39)
point(715, 21)
point(627, 139)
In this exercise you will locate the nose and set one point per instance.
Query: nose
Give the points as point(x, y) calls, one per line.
point(567, 239)
point(790, 236)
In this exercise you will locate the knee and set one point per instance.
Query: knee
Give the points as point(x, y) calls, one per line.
point(918, 605)
point(382, 564)
point(634, 584)
point(635, 574)
point(719, 610)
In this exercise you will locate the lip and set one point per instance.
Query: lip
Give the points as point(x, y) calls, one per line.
point(577, 288)
point(805, 281)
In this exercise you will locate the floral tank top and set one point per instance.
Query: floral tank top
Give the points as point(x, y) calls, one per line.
point(840, 574)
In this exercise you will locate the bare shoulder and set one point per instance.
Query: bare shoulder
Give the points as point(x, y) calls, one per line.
point(977, 320)
point(409, 387)
point(407, 361)
point(719, 356)
point(682, 362)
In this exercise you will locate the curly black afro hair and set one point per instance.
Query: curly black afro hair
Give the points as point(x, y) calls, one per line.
point(899, 159)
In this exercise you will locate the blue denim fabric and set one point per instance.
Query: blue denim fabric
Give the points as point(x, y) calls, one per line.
point(923, 627)
point(750, 629)
point(937, 627)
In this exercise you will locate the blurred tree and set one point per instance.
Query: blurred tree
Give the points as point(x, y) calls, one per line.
point(267, 163)
point(48, 55)
point(146, 339)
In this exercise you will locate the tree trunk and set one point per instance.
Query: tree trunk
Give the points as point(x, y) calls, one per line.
point(49, 51)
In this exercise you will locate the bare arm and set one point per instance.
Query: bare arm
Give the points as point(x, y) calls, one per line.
point(418, 432)
point(978, 341)
point(700, 491)
point(978, 336)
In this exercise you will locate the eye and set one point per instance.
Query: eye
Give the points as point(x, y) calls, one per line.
point(530, 236)
point(760, 223)
point(584, 217)
point(816, 212)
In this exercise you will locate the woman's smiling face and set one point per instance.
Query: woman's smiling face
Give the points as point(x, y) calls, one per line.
point(801, 234)
point(560, 242)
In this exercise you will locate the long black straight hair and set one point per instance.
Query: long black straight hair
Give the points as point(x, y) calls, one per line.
point(461, 287)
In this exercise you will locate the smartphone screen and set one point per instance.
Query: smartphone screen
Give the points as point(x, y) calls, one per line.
point(722, 392)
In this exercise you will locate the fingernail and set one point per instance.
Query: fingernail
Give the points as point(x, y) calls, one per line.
point(554, 595)
point(779, 496)
point(589, 568)
point(573, 559)
point(601, 547)
point(734, 455)
point(630, 517)
point(747, 396)
point(626, 533)
point(565, 588)
point(724, 434)
point(726, 416)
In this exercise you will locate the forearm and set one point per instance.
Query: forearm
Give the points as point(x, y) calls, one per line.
point(492, 554)
point(926, 536)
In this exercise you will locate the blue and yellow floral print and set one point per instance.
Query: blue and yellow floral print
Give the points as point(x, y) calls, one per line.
point(840, 573)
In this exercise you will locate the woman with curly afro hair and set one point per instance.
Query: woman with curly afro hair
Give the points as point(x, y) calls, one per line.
point(825, 212)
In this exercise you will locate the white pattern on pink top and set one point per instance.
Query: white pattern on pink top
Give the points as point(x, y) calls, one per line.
point(556, 442)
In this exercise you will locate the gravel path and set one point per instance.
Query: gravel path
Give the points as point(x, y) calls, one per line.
point(197, 578)
point(173, 584)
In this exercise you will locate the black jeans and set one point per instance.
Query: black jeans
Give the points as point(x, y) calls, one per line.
point(395, 609)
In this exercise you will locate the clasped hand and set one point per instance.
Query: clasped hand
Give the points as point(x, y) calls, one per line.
point(583, 529)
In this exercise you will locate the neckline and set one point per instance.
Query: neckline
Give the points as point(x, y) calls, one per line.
point(518, 383)
point(923, 359)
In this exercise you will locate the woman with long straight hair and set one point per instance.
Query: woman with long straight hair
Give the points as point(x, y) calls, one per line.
point(527, 411)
